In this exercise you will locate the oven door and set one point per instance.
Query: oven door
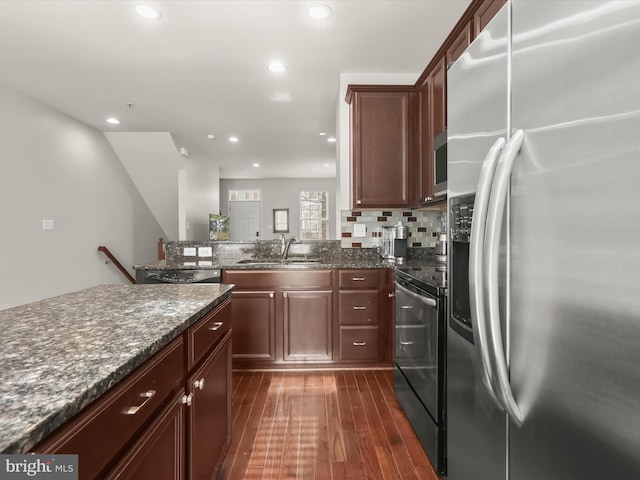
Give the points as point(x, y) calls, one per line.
point(419, 345)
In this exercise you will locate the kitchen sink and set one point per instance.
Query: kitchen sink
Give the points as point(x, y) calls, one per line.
point(298, 261)
point(251, 261)
point(286, 261)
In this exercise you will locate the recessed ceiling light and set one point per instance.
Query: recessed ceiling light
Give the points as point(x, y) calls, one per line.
point(331, 139)
point(323, 134)
point(256, 165)
point(233, 139)
point(319, 12)
point(147, 11)
point(113, 121)
point(211, 136)
point(276, 67)
point(327, 164)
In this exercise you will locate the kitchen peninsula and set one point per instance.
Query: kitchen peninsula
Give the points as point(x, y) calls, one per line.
point(118, 357)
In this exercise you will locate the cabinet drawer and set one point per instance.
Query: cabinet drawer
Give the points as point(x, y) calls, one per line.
point(205, 334)
point(359, 343)
point(105, 427)
point(359, 307)
point(359, 278)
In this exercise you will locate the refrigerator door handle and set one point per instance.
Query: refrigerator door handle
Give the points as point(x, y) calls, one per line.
point(497, 204)
point(476, 249)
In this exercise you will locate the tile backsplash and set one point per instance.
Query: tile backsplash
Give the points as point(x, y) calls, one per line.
point(423, 226)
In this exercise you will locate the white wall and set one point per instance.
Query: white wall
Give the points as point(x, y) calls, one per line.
point(281, 193)
point(202, 195)
point(55, 167)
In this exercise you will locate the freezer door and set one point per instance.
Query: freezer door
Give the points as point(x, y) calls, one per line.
point(477, 117)
point(575, 303)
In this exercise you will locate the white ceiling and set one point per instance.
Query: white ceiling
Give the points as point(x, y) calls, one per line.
point(201, 69)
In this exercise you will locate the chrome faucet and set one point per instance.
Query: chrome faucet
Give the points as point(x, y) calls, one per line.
point(285, 247)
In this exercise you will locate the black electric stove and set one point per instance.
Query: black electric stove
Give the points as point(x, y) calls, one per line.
point(420, 343)
point(430, 278)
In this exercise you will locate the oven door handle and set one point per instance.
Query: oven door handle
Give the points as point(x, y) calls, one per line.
point(497, 205)
point(476, 251)
point(427, 299)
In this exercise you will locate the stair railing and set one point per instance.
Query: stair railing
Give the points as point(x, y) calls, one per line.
point(115, 261)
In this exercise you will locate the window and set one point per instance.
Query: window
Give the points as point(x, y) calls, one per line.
point(244, 195)
point(314, 219)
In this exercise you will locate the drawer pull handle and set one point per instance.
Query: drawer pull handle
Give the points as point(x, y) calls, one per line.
point(199, 384)
point(357, 279)
point(406, 307)
point(187, 399)
point(148, 395)
point(359, 308)
point(359, 344)
point(407, 343)
point(216, 326)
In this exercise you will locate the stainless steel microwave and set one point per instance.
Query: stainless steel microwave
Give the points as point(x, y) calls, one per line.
point(440, 164)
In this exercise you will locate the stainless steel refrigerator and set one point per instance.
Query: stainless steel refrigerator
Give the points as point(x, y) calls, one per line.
point(543, 339)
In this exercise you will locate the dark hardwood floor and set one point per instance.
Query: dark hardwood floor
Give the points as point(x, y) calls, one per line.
point(321, 425)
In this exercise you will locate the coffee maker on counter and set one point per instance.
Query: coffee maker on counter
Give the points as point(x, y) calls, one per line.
point(394, 243)
point(400, 242)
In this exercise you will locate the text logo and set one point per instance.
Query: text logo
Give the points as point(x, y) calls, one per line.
point(49, 467)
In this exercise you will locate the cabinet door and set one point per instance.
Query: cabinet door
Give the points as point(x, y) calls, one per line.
point(210, 413)
point(159, 453)
point(433, 111)
point(484, 13)
point(439, 100)
point(425, 163)
point(381, 165)
point(459, 44)
point(253, 323)
point(308, 325)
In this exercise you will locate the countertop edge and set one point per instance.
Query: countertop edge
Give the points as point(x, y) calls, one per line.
point(52, 422)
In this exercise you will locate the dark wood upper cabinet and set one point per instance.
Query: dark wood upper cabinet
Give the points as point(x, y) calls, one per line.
point(459, 43)
point(382, 153)
point(393, 127)
point(484, 12)
point(432, 114)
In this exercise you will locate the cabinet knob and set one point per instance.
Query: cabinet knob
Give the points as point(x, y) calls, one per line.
point(391, 295)
point(285, 294)
point(359, 202)
point(187, 399)
point(199, 384)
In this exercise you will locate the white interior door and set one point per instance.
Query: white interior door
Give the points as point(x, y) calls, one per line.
point(244, 220)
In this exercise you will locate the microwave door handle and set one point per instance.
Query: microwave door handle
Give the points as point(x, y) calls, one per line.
point(497, 204)
point(476, 249)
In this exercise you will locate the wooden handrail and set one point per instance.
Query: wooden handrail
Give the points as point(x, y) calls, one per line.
point(115, 261)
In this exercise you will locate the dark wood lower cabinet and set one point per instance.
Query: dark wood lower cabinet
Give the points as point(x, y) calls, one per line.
point(297, 318)
point(159, 454)
point(170, 419)
point(308, 325)
point(210, 413)
point(254, 334)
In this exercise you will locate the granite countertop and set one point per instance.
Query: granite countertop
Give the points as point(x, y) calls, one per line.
point(274, 264)
point(60, 354)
